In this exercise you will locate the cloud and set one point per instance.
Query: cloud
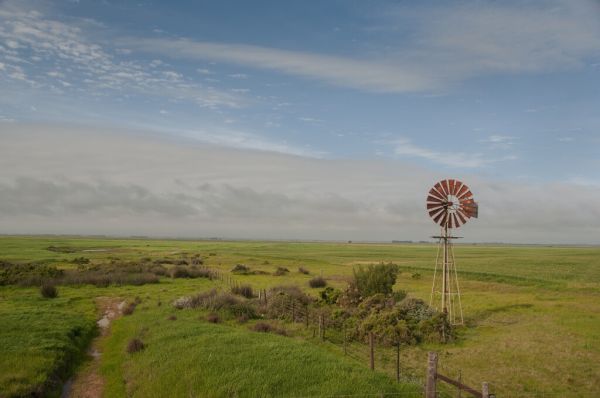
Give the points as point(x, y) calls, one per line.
point(404, 147)
point(473, 38)
point(140, 184)
point(446, 44)
point(50, 54)
point(341, 71)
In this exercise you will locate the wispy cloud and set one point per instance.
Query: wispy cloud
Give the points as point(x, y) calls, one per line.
point(50, 54)
point(342, 71)
point(405, 148)
point(448, 43)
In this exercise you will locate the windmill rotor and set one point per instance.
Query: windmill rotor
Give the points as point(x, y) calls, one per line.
point(450, 202)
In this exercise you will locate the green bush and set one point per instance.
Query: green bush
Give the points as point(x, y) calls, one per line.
point(375, 279)
point(48, 291)
point(317, 281)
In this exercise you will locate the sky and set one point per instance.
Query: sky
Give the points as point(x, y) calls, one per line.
point(299, 120)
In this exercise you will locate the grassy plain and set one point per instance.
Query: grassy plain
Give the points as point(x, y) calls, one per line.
point(533, 320)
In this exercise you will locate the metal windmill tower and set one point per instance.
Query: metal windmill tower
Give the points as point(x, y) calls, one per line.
point(450, 204)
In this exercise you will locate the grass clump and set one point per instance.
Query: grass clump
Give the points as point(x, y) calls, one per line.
point(135, 345)
point(317, 281)
point(303, 270)
point(265, 327)
point(48, 291)
point(240, 269)
point(213, 318)
point(280, 271)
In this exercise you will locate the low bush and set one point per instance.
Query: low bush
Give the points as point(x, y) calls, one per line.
point(48, 291)
point(172, 318)
point(243, 290)
point(317, 281)
point(135, 345)
point(240, 269)
point(303, 270)
point(264, 327)
point(213, 318)
point(129, 308)
point(280, 271)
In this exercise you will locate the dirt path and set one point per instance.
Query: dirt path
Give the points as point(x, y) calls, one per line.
point(88, 383)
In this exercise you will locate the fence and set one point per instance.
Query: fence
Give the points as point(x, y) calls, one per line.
point(319, 324)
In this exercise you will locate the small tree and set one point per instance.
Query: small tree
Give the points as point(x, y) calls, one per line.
point(375, 279)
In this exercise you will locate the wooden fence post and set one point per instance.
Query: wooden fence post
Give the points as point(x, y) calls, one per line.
point(371, 351)
point(307, 316)
point(460, 381)
point(345, 347)
point(485, 390)
point(430, 390)
point(293, 312)
point(398, 362)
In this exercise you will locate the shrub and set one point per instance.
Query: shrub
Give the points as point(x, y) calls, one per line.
point(243, 308)
point(375, 279)
point(135, 345)
point(329, 295)
point(129, 308)
point(80, 260)
point(213, 318)
point(416, 276)
point(243, 290)
point(280, 271)
point(242, 319)
point(240, 269)
point(159, 270)
point(48, 291)
point(180, 272)
point(172, 318)
point(317, 281)
point(264, 327)
point(303, 270)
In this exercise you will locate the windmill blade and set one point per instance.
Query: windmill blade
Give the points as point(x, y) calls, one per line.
point(436, 195)
point(463, 189)
point(453, 185)
point(431, 206)
point(451, 221)
point(460, 216)
point(446, 186)
point(440, 188)
point(434, 213)
point(438, 217)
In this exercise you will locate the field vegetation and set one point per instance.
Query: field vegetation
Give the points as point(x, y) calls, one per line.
point(532, 317)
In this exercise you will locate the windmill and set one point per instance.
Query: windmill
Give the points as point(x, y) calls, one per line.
point(450, 204)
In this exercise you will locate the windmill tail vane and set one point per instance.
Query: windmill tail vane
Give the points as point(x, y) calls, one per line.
point(450, 204)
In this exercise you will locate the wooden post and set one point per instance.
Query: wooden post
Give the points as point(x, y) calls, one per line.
point(485, 390)
point(460, 381)
point(307, 317)
point(430, 390)
point(371, 351)
point(321, 327)
point(345, 347)
point(398, 362)
point(293, 312)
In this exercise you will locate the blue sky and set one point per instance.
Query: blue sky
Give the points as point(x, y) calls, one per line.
point(502, 91)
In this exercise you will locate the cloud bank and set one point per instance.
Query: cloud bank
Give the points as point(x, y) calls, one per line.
point(66, 179)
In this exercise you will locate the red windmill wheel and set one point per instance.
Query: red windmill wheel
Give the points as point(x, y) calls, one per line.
point(450, 203)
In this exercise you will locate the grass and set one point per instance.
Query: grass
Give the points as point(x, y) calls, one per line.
point(192, 357)
point(533, 315)
point(41, 339)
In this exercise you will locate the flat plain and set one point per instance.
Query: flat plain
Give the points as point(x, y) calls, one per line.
point(532, 322)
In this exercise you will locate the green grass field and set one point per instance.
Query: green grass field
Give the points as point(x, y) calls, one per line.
point(533, 322)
